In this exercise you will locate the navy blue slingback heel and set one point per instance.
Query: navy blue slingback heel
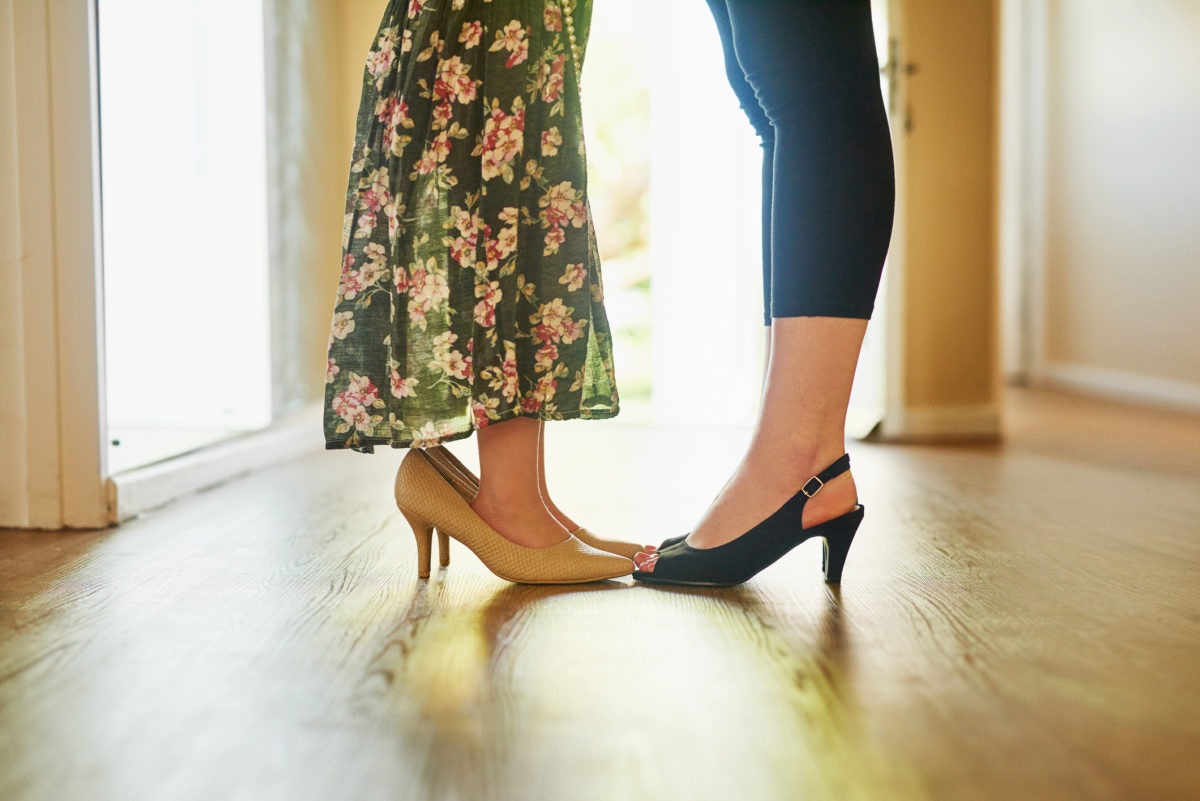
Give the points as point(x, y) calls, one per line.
point(740, 560)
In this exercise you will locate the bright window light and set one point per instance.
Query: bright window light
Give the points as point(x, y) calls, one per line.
point(183, 154)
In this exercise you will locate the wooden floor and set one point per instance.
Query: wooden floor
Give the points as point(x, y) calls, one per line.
point(1017, 622)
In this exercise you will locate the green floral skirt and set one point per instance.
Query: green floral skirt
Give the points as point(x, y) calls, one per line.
point(470, 289)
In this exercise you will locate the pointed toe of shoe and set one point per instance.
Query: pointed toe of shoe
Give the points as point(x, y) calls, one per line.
point(570, 562)
point(626, 550)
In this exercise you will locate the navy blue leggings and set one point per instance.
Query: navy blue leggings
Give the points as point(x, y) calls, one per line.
point(807, 75)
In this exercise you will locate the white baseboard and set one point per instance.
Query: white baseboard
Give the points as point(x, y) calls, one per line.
point(142, 489)
point(931, 423)
point(1122, 386)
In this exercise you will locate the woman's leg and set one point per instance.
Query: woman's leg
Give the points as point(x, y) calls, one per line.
point(800, 431)
point(510, 495)
point(815, 71)
point(815, 74)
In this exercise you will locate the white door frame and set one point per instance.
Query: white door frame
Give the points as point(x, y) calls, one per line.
point(895, 405)
point(1023, 158)
point(56, 475)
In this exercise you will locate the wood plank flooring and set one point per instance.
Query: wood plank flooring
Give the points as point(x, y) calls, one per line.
point(1017, 621)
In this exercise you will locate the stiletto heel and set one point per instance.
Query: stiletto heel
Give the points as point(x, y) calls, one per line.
point(428, 501)
point(836, 544)
point(741, 559)
point(423, 531)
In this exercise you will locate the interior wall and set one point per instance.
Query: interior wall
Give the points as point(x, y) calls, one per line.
point(14, 504)
point(1122, 259)
point(359, 20)
point(948, 205)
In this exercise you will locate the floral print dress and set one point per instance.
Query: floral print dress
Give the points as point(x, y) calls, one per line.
point(470, 289)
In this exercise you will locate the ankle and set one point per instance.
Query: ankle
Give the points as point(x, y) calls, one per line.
point(787, 469)
point(518, 496)
point(788, 465)
point(522, 520)
point(507, 506)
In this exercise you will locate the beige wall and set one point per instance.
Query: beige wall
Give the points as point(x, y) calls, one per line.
point(14, 504)
point(948, 212)
point(356, 32)
point(1122, 223)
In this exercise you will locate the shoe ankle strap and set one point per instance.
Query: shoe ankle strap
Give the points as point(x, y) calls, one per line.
point(817, 482)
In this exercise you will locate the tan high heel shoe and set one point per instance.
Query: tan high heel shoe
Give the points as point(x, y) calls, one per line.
point(428, 501)
point(465, 483)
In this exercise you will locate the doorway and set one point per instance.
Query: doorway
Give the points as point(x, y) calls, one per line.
point(184, 198)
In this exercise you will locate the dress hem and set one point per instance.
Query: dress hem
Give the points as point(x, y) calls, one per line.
point(368, 444)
